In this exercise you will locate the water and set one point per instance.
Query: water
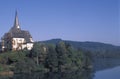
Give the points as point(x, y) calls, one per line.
point(113, 73)
point(73, 75)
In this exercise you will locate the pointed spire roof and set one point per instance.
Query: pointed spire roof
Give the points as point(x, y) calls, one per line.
point(16, 22)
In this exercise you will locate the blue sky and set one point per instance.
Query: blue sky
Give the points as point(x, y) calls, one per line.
point(77, 20)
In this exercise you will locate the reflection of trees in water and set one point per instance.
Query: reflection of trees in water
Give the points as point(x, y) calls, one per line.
point(72, 75)
point(105, 63)
point(50, 75)
point(100, 64)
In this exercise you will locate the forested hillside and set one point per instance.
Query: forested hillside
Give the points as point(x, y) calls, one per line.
point(97, 49)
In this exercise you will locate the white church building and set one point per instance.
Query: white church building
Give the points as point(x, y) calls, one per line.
point(16, 38)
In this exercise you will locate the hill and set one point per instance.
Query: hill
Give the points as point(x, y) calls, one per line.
point(96, 48)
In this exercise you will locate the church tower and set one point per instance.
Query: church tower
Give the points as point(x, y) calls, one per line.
point(16, 22)
point(16, 25)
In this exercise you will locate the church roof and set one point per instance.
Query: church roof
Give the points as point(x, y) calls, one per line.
point(21, 34)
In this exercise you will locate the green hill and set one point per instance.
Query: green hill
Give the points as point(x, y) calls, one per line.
point(98, 49)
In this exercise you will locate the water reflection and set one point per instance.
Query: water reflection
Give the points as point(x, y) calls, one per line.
point(99, 65)
point(50, 75)
point(105, 63)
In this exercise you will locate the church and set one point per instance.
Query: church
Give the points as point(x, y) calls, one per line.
point(16, 38)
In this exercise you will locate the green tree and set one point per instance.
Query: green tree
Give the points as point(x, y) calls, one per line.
point(52, 60)
point(39, 51)
point(25, 66)
point(62, 54)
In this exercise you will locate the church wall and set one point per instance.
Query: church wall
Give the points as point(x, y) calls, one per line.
point(17, 43)
point(29, 46)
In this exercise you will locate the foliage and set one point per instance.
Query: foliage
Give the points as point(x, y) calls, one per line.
point(25, 66)
point(51, 61)
point(45, 57)
point(39, 52)
point(63, 57)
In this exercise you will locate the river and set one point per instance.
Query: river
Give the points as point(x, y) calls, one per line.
point(113, 73)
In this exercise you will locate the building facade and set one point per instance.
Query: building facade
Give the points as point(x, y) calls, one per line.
point(16, 38)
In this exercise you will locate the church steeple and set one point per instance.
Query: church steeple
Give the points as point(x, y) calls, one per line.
point(16, 22)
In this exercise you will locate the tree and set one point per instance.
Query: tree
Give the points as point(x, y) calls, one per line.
point(62, 54)
point(25, 66)
point(52, 60)
point(38, 51)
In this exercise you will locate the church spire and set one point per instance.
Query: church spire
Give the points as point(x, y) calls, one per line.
point(16, 22)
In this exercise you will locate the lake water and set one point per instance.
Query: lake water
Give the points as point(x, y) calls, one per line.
point(113, 73)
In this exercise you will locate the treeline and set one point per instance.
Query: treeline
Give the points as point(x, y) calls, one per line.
point(45, 57)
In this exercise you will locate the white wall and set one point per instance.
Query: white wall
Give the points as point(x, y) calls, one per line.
point(29, 46)
point(17, 42)
point(20, 43)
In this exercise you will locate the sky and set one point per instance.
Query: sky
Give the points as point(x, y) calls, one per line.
point(76, 20)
